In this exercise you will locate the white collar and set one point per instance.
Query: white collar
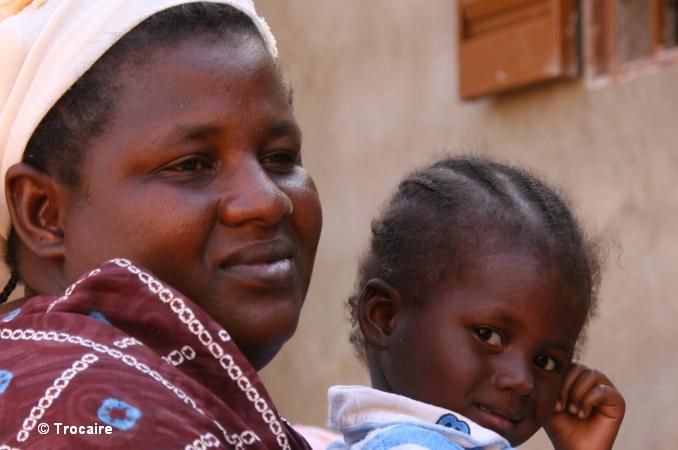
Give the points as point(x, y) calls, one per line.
point(356, 410)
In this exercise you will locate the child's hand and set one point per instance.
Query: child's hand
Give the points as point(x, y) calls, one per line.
point(589, 411)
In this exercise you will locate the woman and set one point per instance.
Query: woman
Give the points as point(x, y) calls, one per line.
point(158, 136)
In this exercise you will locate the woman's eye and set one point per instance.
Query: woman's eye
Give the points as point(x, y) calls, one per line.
point(546, 363)
point(289, 158)
point(189, 165)
point(489, 336)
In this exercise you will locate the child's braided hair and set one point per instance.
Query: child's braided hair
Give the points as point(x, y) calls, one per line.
point(442, 216)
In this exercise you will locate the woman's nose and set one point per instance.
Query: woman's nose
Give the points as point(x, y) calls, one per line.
point(515, 374)
point(252, 196)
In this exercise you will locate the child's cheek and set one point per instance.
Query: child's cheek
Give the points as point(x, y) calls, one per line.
point(548, 397)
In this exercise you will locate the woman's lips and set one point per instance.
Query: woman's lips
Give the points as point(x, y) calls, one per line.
point(268, 264)
point(273, 274)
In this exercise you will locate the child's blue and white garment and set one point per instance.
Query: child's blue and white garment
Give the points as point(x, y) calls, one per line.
point(370, 419)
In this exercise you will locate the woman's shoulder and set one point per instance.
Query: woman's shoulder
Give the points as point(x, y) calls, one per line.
point(12, 306)
point(121, 348)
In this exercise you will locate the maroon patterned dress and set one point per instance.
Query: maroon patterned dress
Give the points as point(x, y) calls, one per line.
point(123, 361)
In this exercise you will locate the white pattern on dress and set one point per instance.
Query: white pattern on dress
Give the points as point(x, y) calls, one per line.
point(53, 392)
point(187, 316)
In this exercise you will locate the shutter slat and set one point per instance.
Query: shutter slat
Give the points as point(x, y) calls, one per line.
point(497, 22)
point(510, 43)
point(479, 9)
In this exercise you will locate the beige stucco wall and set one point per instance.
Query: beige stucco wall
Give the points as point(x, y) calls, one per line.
point(376, 94)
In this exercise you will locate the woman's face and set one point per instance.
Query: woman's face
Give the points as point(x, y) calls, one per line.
point(198, 178)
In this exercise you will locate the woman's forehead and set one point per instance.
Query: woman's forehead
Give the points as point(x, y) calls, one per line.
point(198, 92)
point(195, 74)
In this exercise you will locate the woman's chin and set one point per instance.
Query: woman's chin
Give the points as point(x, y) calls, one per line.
point(260, 348)
point(260, 357)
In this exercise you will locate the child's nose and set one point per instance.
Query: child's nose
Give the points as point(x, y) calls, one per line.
point(514, 373)
point(250, 195)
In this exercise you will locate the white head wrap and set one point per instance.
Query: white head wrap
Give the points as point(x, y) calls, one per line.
point(47, 45)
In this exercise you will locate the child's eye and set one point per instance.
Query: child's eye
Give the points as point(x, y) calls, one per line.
point(546, 363)
point(489, 336)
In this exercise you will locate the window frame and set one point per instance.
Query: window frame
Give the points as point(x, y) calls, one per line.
point(599, 33)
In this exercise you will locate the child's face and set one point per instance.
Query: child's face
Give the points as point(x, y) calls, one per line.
point(494, 346)
point(198, 178)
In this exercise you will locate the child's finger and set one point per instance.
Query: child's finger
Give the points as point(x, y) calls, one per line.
point(586, 381)
point(599, 396)
point(571, 375)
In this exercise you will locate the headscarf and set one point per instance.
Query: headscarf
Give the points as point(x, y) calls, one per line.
point(47, 45)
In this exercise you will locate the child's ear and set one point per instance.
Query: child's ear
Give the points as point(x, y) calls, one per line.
point(379, 307)
point(34, 201)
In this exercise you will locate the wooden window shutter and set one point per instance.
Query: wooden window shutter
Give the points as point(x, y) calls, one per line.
point(505, 44)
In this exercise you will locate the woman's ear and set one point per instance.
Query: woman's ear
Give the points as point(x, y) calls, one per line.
point(379, 308)
point(34, 201)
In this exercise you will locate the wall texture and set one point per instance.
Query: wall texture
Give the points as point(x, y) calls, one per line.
point(376, 95)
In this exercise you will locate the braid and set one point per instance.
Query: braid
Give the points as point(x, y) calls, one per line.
point(451, 209)
point(9, 287)
point(12, 263)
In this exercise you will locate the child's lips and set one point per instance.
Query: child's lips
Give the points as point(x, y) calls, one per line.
point(501, 421)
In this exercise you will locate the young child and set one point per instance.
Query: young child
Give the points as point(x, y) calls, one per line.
point(471, 302)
